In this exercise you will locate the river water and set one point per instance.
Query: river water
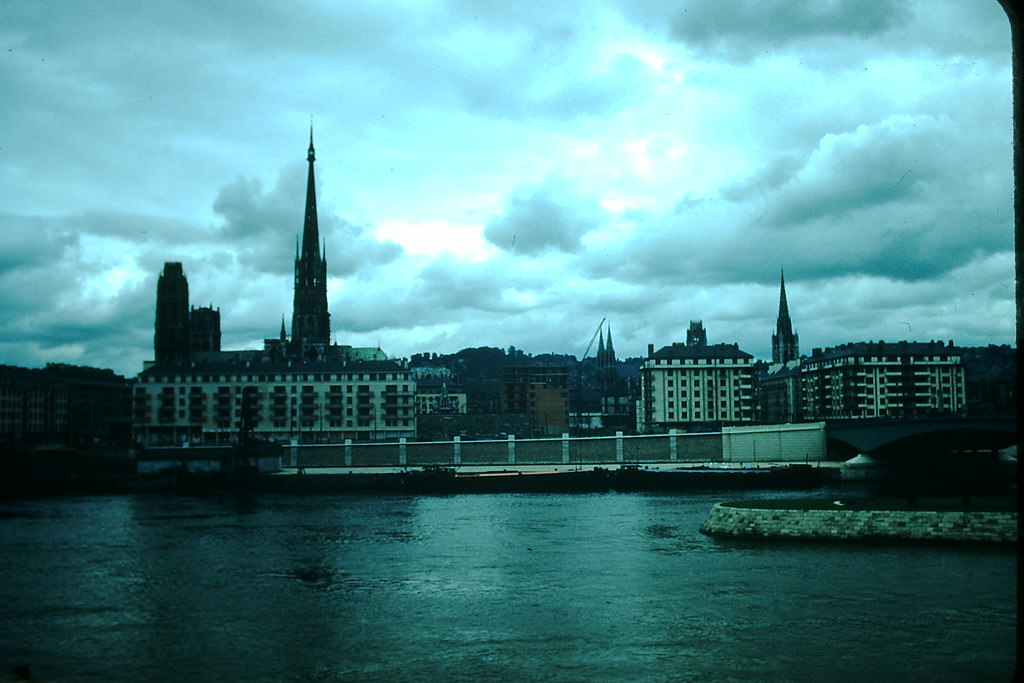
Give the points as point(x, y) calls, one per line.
point(602, 587)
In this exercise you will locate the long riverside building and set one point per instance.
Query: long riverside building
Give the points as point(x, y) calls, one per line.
point(207, 402)
point(895, 380)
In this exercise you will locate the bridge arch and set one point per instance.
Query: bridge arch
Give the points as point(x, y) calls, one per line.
point(894, 438)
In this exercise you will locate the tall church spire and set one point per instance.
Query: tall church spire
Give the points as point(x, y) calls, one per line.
point(311, 329)
point(785, 344)
point(310, 227)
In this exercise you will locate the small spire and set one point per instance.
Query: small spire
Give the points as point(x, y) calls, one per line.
point(284, 335)
point(311, 156)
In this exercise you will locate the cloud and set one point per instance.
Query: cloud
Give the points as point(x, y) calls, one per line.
point(32, 241)
point(706, 22)
point(747, 28)
point(261, 228)
point(551, 215)
point(888, 199)
point(496, 173)
point(870, 166)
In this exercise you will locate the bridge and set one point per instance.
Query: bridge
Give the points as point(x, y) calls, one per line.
point(920, 436)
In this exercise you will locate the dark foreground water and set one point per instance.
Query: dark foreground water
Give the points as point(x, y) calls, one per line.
point(603, 587)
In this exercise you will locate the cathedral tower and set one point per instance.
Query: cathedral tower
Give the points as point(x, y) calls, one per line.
point(311, 327)
point(785, 343)
point(172, 335)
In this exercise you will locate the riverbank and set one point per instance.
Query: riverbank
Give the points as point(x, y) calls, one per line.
point(439, 480)
point(981, 520)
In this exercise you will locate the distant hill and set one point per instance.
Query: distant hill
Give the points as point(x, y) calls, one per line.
point(486, 362)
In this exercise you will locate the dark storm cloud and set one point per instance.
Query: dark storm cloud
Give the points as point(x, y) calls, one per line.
point(32, 241)
point(746, 28)
point(707, 22)
point(552, 215)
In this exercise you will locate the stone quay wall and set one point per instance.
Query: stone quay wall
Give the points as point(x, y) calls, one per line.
point(849, 524)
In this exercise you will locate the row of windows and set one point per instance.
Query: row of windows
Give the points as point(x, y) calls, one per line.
point(168, 412)
point(313, 377)
point(946, 361)
point(306, 390)
point(689, 362)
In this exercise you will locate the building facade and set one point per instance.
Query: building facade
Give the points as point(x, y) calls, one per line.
point(880, 380)
point(541, 391)
point(64, 405)
point(211, 402)
point(684, 386)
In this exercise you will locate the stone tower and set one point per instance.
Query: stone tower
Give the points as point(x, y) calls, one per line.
point(171, 340)
point(785, 343)
point(696, 335)
point(311, 327)
point(204, 324)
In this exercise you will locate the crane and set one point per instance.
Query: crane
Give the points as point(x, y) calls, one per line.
point(579, 373)
point(592, 338)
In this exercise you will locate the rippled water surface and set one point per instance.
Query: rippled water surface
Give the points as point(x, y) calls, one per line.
point(478, 587)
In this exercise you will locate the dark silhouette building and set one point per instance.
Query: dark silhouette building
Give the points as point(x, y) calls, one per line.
point(181, 330)
point(696, 335)
point(785, 342)
point(64, 405)
point(172, 340)
point(204, 324)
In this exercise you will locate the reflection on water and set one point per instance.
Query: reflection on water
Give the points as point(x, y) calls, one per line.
point(511, 587)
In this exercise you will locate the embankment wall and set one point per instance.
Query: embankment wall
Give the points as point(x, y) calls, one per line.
point(845, 523)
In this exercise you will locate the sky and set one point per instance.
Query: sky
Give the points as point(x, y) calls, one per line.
point(507, 173)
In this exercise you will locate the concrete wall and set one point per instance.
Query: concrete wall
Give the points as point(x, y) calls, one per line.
point(699, 447)
point(918, 525)
point(772, 443)
point(804, 442)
